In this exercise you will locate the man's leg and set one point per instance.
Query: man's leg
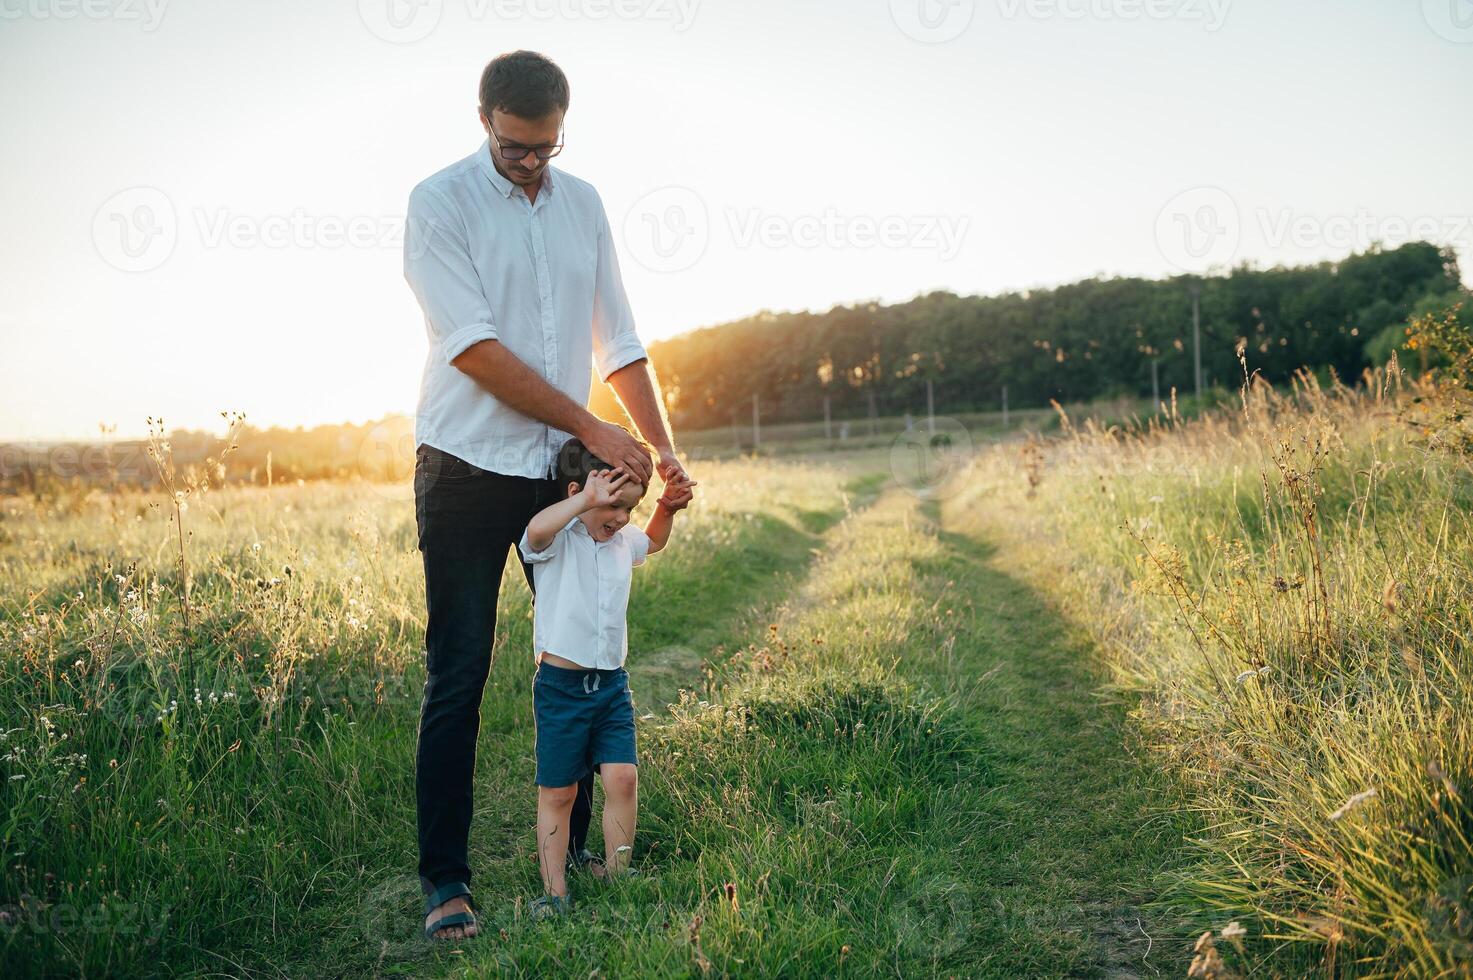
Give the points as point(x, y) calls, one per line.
point(464, 537)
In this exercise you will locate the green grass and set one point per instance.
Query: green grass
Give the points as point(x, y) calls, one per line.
point(888, 757)
point(1286, 592)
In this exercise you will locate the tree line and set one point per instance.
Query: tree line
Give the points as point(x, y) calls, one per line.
point(1078, 342)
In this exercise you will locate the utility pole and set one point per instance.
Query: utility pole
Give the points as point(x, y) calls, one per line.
point(756, 424)
point(930, 407)
point(1197, 336)
point(1004, 406)
point(828, 430)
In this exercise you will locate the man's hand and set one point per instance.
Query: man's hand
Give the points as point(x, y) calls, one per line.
point(669, 467)
point(613, 444)
point(602, 487)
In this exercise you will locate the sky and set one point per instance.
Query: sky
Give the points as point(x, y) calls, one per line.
point(203, 200)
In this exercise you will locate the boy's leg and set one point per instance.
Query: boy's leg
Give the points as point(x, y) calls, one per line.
point(563, 715)
point(553, 806)
point(613, 751)
point(621, 807)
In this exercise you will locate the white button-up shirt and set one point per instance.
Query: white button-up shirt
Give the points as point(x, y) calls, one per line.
point(583, 594)
point(541, 278)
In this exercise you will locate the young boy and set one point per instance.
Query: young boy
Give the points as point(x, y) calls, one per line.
point(582, 550)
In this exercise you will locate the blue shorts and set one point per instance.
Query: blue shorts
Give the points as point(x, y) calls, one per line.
point(584, 718)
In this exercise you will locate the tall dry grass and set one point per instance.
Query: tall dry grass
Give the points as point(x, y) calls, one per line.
point(1286, 591)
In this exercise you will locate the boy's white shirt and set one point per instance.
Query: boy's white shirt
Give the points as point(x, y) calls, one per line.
point(583, 594)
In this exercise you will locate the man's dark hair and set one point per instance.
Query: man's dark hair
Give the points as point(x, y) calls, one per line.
point(574, 462)
point(525, 84)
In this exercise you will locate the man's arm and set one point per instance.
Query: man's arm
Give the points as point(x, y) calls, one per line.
point(622, 361)
point(638, 392)
point(516, 385)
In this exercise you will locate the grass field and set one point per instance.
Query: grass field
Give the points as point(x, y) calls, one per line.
point(1089, 699)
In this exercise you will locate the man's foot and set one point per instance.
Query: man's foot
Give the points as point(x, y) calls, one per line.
point(549, 907)
point(587, 859)
point(462, 930)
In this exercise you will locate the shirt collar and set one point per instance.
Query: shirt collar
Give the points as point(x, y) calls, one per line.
point(503, 186)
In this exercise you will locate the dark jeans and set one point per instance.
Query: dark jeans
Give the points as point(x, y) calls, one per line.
point(467, 519)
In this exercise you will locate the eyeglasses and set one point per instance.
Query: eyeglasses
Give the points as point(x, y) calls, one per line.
point(515, 152)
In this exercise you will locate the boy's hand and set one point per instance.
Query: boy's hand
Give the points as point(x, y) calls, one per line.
point(677, 494)
point(602, 487)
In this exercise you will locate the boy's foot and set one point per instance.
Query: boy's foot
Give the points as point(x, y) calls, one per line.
point(587, 859)
point(454, 906)
point(549, 907)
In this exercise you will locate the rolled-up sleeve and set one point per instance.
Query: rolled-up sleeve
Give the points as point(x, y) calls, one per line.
point(533, 557)
point(438, 267)
point(615, 342)
point(639, 544)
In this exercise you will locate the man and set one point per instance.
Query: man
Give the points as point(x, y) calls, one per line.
point(512, 261)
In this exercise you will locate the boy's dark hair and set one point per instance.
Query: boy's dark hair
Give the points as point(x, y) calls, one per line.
point(574, 462)
point(525, 84)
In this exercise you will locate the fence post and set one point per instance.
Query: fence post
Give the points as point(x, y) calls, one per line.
point(756, 424)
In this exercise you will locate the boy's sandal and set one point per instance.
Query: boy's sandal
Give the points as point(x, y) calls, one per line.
point(549, 907)
point(442, 895)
